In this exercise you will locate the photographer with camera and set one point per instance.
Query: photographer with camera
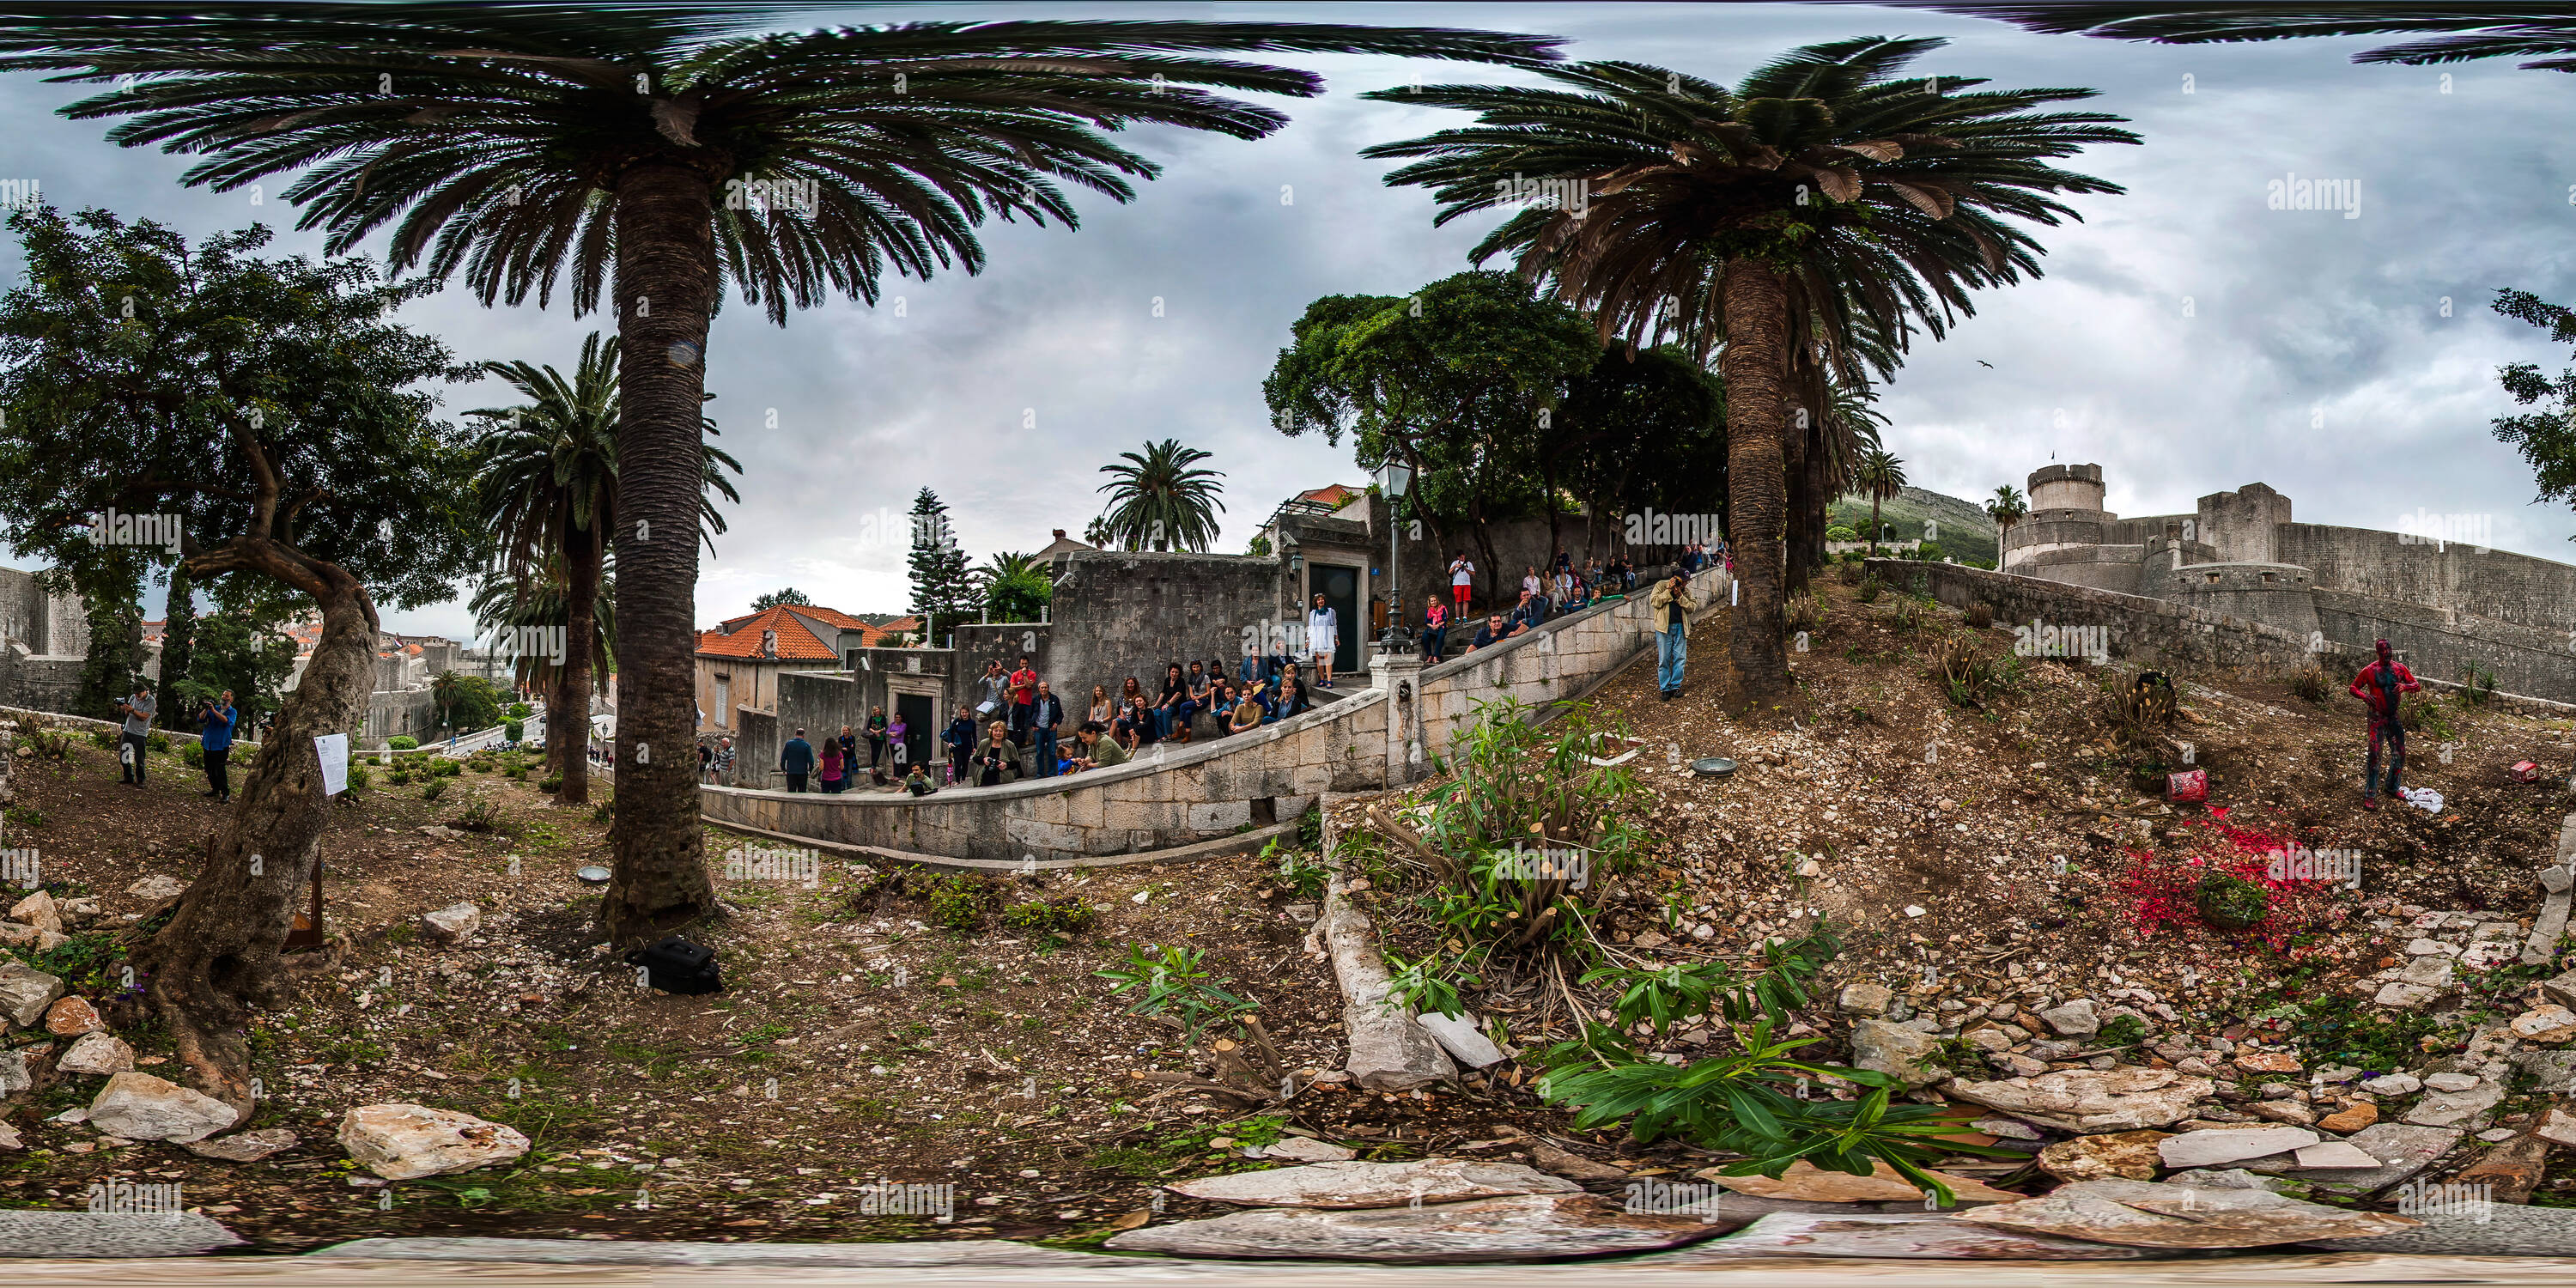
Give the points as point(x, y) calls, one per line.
point(216, 720)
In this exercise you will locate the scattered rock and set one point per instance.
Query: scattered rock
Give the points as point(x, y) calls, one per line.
point(1884, 1184)
point(2491, 1230)
point(1870, 1000)
point(2334, 1153)
point(70, 1017)
point(1460, 1036)
point(1925, 1236)
point(2510, 1171)
point(2230, 1145)
point(2267, 1062)
point(1896, 1051)
point(1517, 1227)
point(15, 1076)
point(2557, 1126)
point(33, 1232)
point(2086, 1101)
point(2127, 1155)
point(25, 993)
point(1573, 1166)
point(1372, 1185)
point(98, 1054)
point(2431, 972)
point(2008, 1128)
point(2284, 1111)
point(9, 1140)
point(2451, 1081)
point(2402, 1151)
point(2395, 1084)
point(139, 1106)
point(404, 1142)
point(2145, 1214)
point(452, 923)
point(38, 910)
point(156, 887)
point(2073, 1020)
point(2404, 997)
point(2351, 1118)
point(2233, 1178)
point(245, 1147)
point(2562, 989)
point(2451, 1108)
point(2549, 1023)
point(1307, 1149)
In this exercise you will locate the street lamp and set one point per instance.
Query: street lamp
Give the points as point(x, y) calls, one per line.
point(1394, 478)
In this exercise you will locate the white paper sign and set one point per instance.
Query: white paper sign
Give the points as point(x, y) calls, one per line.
point(333, 748)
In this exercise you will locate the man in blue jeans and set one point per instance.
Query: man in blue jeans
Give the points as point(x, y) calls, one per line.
point(1672, 605)
point(1045, 713)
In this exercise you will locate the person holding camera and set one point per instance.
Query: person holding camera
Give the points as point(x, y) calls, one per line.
point(216, 720)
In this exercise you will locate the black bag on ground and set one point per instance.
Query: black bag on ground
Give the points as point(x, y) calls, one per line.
point(677, 966)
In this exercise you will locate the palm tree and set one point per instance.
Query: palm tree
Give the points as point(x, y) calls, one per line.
point(547, 485)
point(1014, 587)
point(1157, 502)
point(1810, 219)
point(654, 155)
point(1835, 443)
point(1881, 473)
point(505, 602)
point(2006, 509)
point(2444, 33)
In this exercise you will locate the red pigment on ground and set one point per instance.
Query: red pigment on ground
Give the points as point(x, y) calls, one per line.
point(2158, 889)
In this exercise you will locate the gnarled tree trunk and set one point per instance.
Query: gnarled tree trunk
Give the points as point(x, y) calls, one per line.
point(666, 291)
point(218, 956)
point(1756, 369)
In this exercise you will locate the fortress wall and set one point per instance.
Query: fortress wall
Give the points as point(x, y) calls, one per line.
point(2439, 645)
point(2496, 584)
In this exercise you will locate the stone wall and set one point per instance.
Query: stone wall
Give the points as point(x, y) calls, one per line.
point(2439, 645)
point(2244, 524)
point(1173, 795)
point(2495, 584)
point(2143, 630)
point(1118, 614)
point(2273, 594)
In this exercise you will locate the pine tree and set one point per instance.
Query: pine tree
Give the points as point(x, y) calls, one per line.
point(942, 592)
point(178, 649)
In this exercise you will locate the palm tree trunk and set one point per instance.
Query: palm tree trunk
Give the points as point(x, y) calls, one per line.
point(1809, 543)
point(218, 956)
point(666, 291)
point(1755, 365)
point(1873, 521)
point(581, 613)
point(1799, 455)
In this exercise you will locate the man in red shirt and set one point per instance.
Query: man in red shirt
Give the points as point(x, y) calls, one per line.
point(1024, 696)
point(2379, 686)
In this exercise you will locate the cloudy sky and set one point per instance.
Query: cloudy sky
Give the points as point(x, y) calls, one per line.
point(2185, 336)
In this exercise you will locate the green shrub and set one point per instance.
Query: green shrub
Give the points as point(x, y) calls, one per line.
point(603, 812)
point(446, 768)
point(433, 790)
point(1978, 615)
point(514, 731)
point(477, 816)
point(193, 754)
point(1930, 552)
point(360, 778)
point(158, 742)
point(402, 742)
point(520, 711)
point(1310, 828)
point(2231, 903)
point(1869, 589)
point(519, 772)
point(2478, 684)
point(2312, 684)
point(103, 738)
point(1841, 533)
point(961, 902)
point(1069, 916)
point(550, 783)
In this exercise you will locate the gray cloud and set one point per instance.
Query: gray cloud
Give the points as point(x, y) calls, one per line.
point(2296, 315)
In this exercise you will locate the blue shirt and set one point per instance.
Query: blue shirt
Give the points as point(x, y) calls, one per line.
point(219, 730)
point(797, 757)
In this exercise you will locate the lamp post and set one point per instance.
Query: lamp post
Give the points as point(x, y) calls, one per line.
point(1394, 478)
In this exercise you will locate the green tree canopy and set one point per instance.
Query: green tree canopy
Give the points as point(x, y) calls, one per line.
point(783, 595)
point(943, 590)
point(2546, 438)
point(1158, 501)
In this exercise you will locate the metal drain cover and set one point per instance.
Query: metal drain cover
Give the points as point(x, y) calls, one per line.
point(595, 875)
point(1713, 767)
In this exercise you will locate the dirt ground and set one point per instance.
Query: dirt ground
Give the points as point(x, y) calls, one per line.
point(1968, 856)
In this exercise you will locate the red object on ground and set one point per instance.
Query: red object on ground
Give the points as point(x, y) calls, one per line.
point(2525, 772)
point(2188, 786)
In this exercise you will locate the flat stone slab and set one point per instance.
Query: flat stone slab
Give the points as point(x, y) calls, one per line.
point(2451, 1108)
point(1884, 1184)
point(2148, 1215)
point(26, 1232)
point(2508, 1230)
point(1918, 1236)
point(1522, 1227)
point(1375, 1185)
point(2089, 1101)
point(2402, 1150)
point(2231, 1145)
point(926, 1253)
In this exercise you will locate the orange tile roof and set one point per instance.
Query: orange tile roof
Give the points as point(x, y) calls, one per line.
point(798, 641)
point(1334, 494)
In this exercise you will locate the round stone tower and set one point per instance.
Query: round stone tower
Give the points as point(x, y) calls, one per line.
point(2066, 487)
point(2065, 513)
